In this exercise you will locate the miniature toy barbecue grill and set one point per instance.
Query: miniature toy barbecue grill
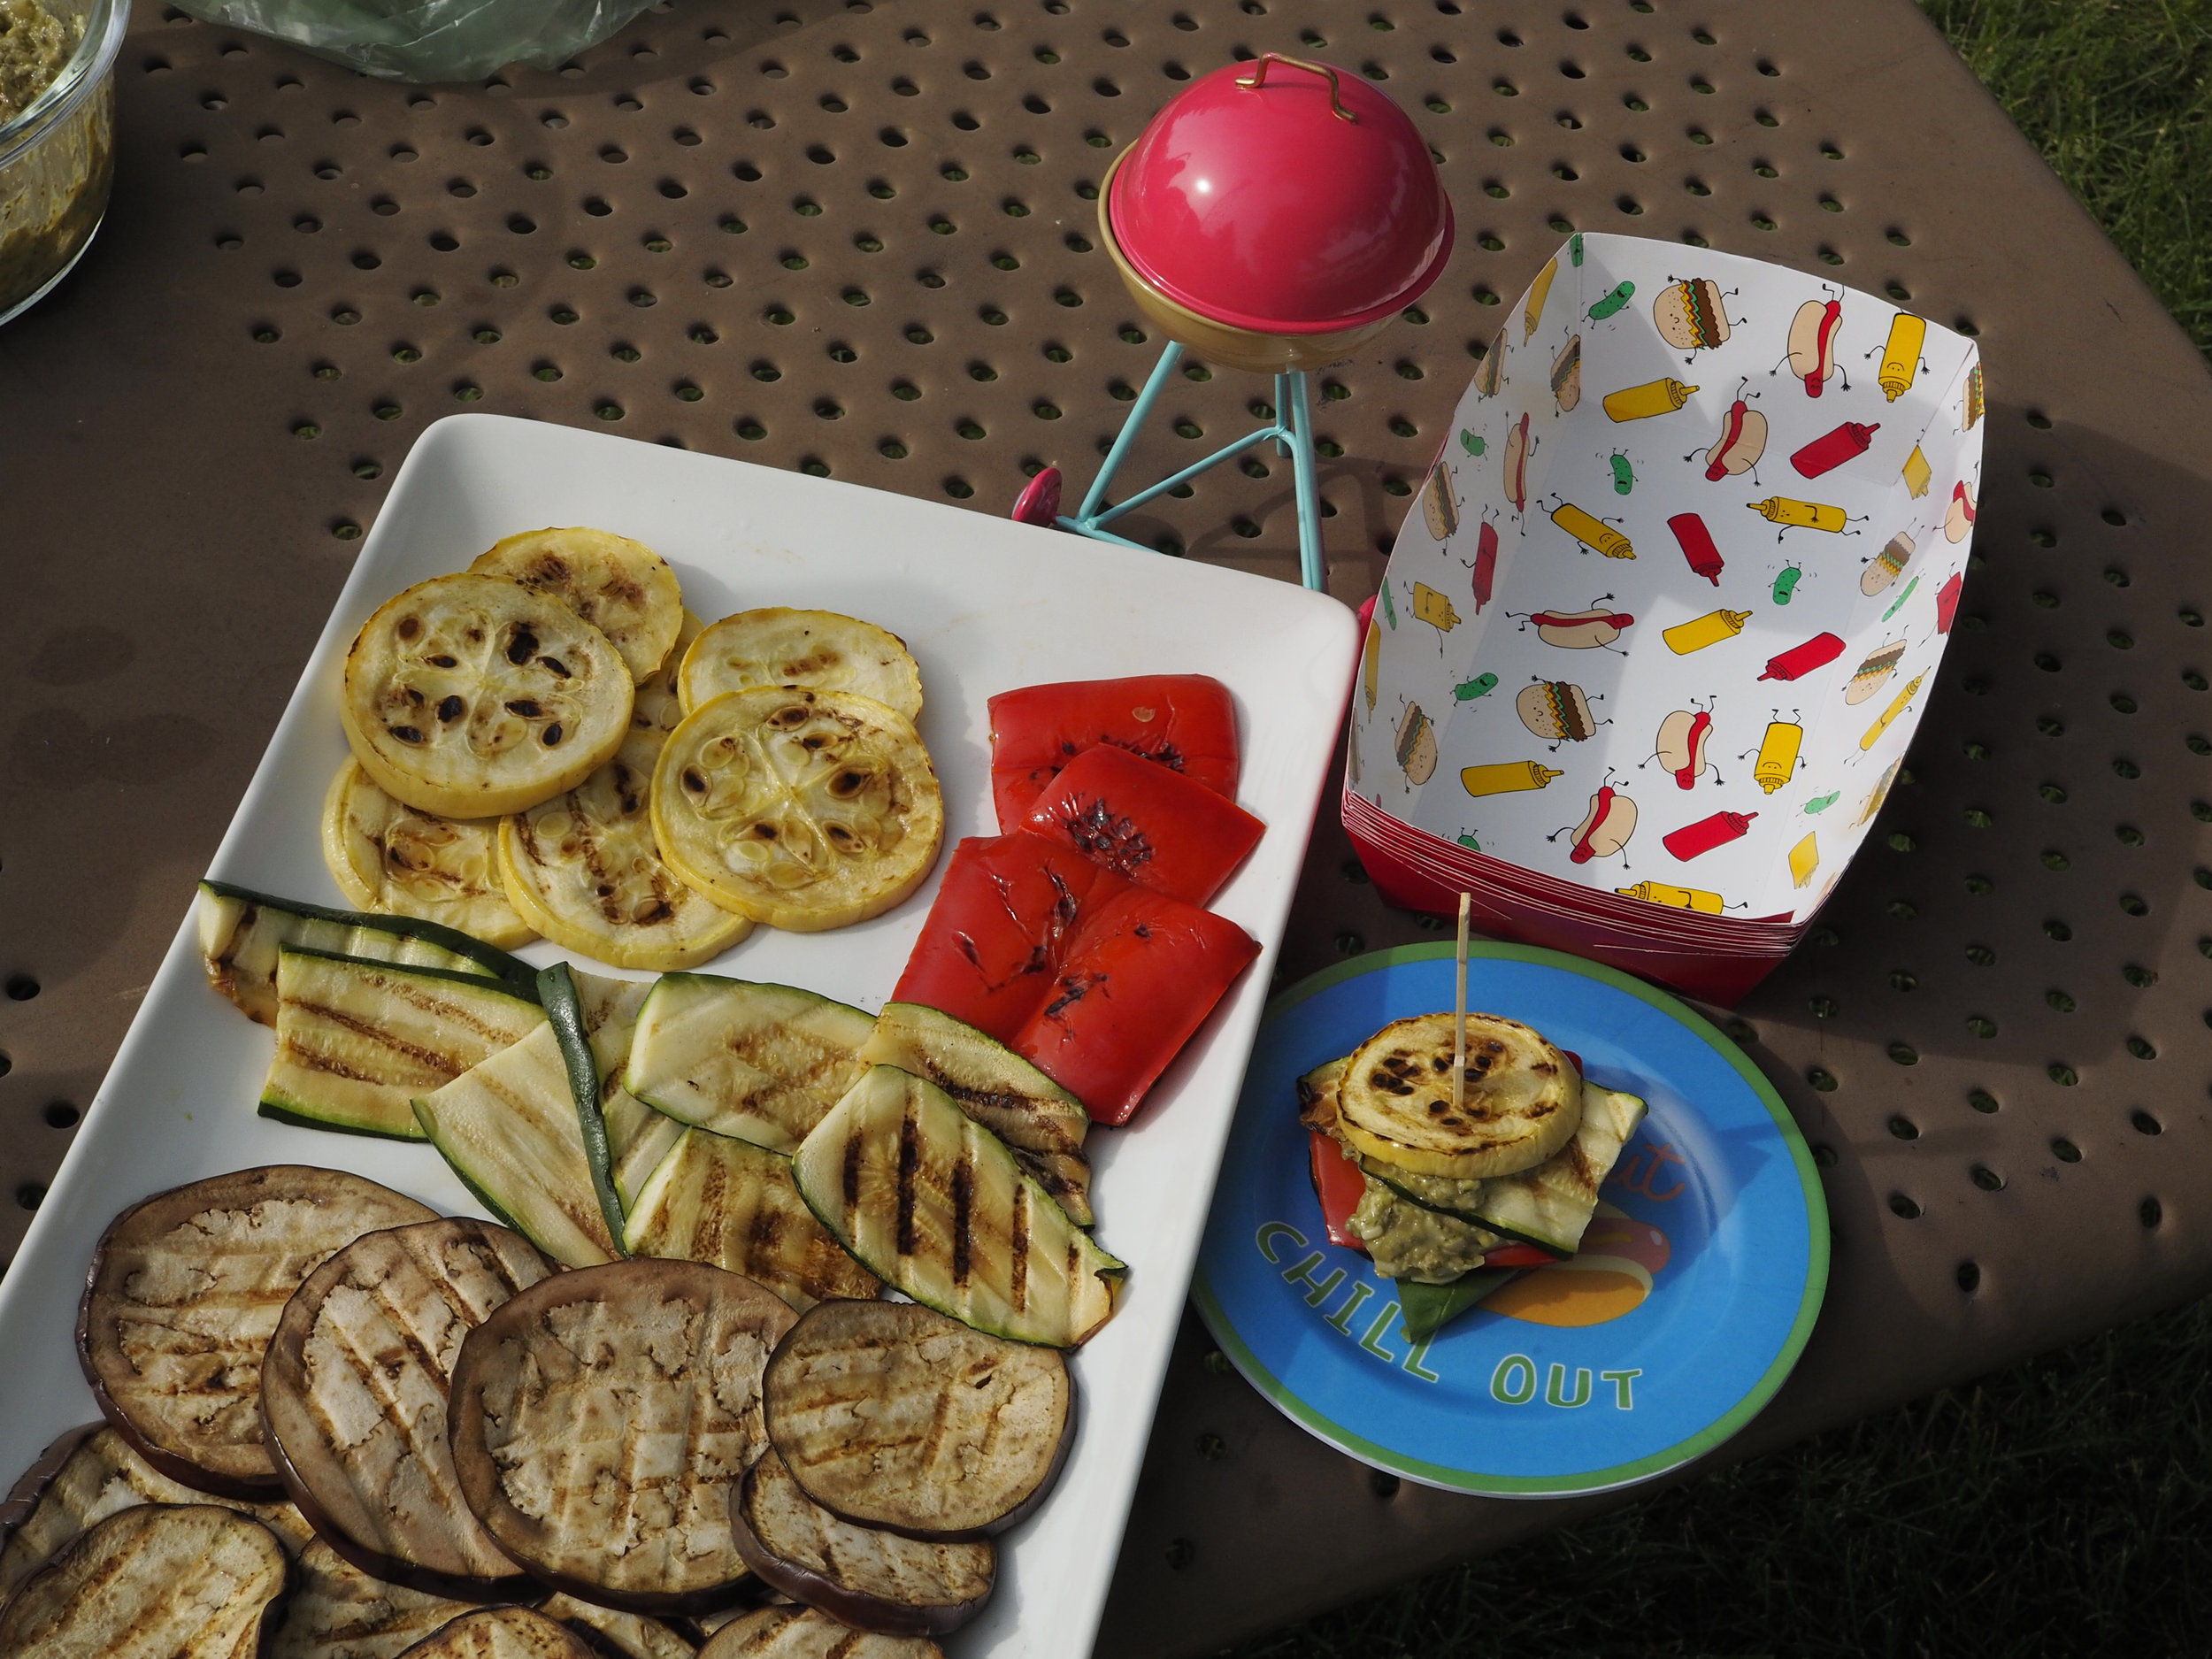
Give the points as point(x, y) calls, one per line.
point(1274, 217)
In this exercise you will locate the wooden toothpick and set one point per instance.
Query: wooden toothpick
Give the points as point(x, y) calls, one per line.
point(1459, 1011)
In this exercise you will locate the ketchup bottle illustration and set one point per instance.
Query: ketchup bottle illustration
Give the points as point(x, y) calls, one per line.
point(1800, 660)
point(1697, 545)
point(1831, 449)
point(1706, 833)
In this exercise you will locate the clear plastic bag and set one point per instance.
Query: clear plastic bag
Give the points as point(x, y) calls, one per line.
point(429, 40)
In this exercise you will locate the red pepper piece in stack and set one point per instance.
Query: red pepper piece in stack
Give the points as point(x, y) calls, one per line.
point(1143, 822)
point(1185, 721)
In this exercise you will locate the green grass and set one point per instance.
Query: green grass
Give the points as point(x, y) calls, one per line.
point(2063, 1506)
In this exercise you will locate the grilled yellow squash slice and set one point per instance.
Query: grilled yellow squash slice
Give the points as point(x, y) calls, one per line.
point(470, 697)
point(658, 706)
point(620, 586)
point(583, 869)
point(806, 810)
point(1522, 1103)
point(780, 646)
point(386, 857)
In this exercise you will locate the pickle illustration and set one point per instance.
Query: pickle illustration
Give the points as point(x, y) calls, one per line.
point(1389, 611)
point(1471, 442)
point(1613, 302)
point(1785, 584)
point(1480, 686)
point(1821, 802)
point(1624, 474)
point(1898, 603)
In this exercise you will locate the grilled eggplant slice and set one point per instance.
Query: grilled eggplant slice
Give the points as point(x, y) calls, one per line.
point(358, 1041)
point(732, 1203)
point(618, 1635)
point(184, 1581)
point(502, 1632)
point(184, 1291)
point(891, 1414)
point(353, 1396)
point(600, 1420)
point(872, 1579)
point(935, 1204)
point(337, 1611)
point(760, 1063)
point(88, 1474)
point(805, 1632)
point(1041, 1124)
point(241, 932)
point(1521, 1104)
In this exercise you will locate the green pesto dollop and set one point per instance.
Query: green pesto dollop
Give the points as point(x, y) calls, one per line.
point(1408, 1241)
point(34, 45)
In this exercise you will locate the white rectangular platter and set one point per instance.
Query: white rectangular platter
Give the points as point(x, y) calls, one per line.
point(984, 605)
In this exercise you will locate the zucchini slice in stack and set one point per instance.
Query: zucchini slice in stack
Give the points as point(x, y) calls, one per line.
point(1521, 1104)
point(183, 1294)
point(1551, 1205)
point(600, 1420)
point(186, 1581)
point(935, 1204)
point(358, 1041)
point(891, 1414)
point(353, 1396)
point(804, 1632)
point(733, 1204)
point(502, 1632)
point(241, 932)
point(1042, 1124)
point(760, 1063)
point(337, 1611)
point(871, 1579)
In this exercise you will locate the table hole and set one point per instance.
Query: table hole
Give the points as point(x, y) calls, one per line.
point(1969, 1277)
point(30, 1196)
point(2141, 1048)
point(1904, 1128)
point(959, 488)
point(2062, 1074)
point(751, 430)
point(1903, 1207)
point(609, 410)
point(2065, 1151)
point(2189, 618)
point(2150, 1213)
point(1822, 1079)
point(905, 391)
point(2134, 904)
point(2147, 1124)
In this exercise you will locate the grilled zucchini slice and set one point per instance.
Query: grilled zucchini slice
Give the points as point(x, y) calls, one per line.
point(780, 646)
point(583, 869)
point(387, 856)
point(600, 1420)
point(472, 698)
point(1522, 1101)
point(760, 1063)
point(241, 932)
point(86, 1475)
point(622, 587)
point(806, 810)
point(1551, 1204)
point(358, 1041)
point(726, 1201)
point(935, 1204)
point(802, 1633)
point(874, 1579)
point(889, 1414)
point(186, 1581)
point(1041, 1124)
point(337, 1611)
point(353, 1395)
point(183, 1294)
point(502, 1632)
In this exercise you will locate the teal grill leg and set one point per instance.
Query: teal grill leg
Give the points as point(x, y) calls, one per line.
point(1087, 518)
point(1301, 462)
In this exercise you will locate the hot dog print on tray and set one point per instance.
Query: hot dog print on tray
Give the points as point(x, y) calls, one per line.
point(1672, 598)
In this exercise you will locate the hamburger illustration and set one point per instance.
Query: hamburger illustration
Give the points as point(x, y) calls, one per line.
point(1689, 314)
point(1873, 672)
point(1974, 395)
point(1605, 828)
point(1416, 745)
point(1439, 506)
point(1491, 375)
point(1566, 374)
point(1554, 709)
point(1887, 566)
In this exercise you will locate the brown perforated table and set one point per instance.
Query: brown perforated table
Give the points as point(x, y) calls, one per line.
point(861, 242)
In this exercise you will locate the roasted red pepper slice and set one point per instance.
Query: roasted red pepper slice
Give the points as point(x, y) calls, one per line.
point(1339, 1185)
point(1141, 821)
point(1143, 972)
point(1186, 722)
point(1003, 917)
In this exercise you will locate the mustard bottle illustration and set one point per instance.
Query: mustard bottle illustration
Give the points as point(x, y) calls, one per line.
point(1653, 397)
point(1901, 358)
point(1700, 632)
point(1804, 859)
point(1539, 291)
point(1681, 898)
point(1594, 533)
point(1874, 731)
point(1917, 474)
point(1434, 608)
point(1370, 670)
point(1799, 515)
point(1504, 777)
point(1778, 756)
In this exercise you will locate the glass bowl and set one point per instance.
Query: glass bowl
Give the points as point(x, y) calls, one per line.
point(57, 159)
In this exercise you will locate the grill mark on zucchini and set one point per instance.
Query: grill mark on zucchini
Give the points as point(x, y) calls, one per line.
point(430, 1060)
point(1019, 1291)
point(910, 1165)
point(963, 1202)
point(853, 1150)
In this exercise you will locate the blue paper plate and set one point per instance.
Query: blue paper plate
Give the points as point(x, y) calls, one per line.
point(1694, 1294)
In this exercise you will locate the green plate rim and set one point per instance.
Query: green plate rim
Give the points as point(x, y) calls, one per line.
point(1722, 1428)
